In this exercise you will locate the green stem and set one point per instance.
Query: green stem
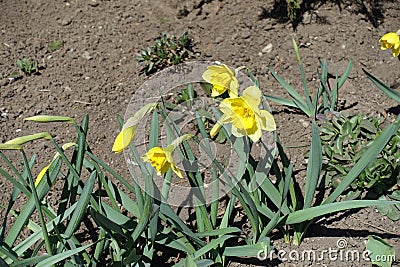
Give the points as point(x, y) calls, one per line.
point(37, 203)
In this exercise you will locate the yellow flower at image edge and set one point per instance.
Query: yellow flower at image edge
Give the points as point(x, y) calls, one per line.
point(223, 79)
point(161, 159)
point(391, 40)
point(245, 116)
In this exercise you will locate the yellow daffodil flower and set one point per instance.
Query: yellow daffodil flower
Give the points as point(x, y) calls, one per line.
point(161, 159)
point(44, 170)
point(42, 173)
point(125, 137)
point(245, 116)
point(391, 40)
point(223, 79)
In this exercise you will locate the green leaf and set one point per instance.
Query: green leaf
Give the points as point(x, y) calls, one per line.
point(314, 212)
point(62, 256)
point(298, 100)
point(381, 253)
point(345, 74)
point(282, 101)
point(81, 206)
point(214, 243)
point(383, 87)
point(262, 248)
point(313, 167)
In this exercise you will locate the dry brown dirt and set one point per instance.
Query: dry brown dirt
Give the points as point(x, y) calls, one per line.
point(95, 73)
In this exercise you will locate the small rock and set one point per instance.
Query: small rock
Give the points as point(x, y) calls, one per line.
point(268, 48)
point(219, 39)
point(246, 34)
point(93, 3)
point(87, 55)
point(304, 123)
point(66, 21)
point(307, 17)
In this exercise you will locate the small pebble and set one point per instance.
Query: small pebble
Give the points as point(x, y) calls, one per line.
point(93, 3)
point(66, 21)
point(267, 48)
point(87, 55)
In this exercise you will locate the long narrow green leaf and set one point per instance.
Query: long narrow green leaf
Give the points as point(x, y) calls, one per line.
point(179, 224)
point(35, 237)
point(298, 100)
point(248, 250)
point(176, 241)
point(111, 171)
point(82, 205)
point(15, 171)
point(313, 167)
point(8, 253)
point(345, 74)
point(27, 210)
point(282, 101)
point(212, 244)
point(317, 211)
point(62, 256)
point(223, 231)
point(383, 87)
point(126, 202)
point(16, 183)
point(275, 219)
point(29, 261)
point(303, 77)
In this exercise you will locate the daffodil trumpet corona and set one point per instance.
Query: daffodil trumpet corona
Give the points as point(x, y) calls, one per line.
point(161, 158)
point(391, 40)
point(222, 79)
point(244, 114)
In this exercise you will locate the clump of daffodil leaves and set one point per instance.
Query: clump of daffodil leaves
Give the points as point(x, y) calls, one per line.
point(242, 112)
point(391, 40)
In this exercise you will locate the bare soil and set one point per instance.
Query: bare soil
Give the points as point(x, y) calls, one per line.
point(95, 73)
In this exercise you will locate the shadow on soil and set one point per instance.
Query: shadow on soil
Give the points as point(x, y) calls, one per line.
point(284, 10)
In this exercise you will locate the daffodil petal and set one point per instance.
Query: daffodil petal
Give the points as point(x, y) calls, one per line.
point(252, 95)
point(256, 135)
point(391, 40)
point(267, 121)
point(222, 78)
point(123, 139)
